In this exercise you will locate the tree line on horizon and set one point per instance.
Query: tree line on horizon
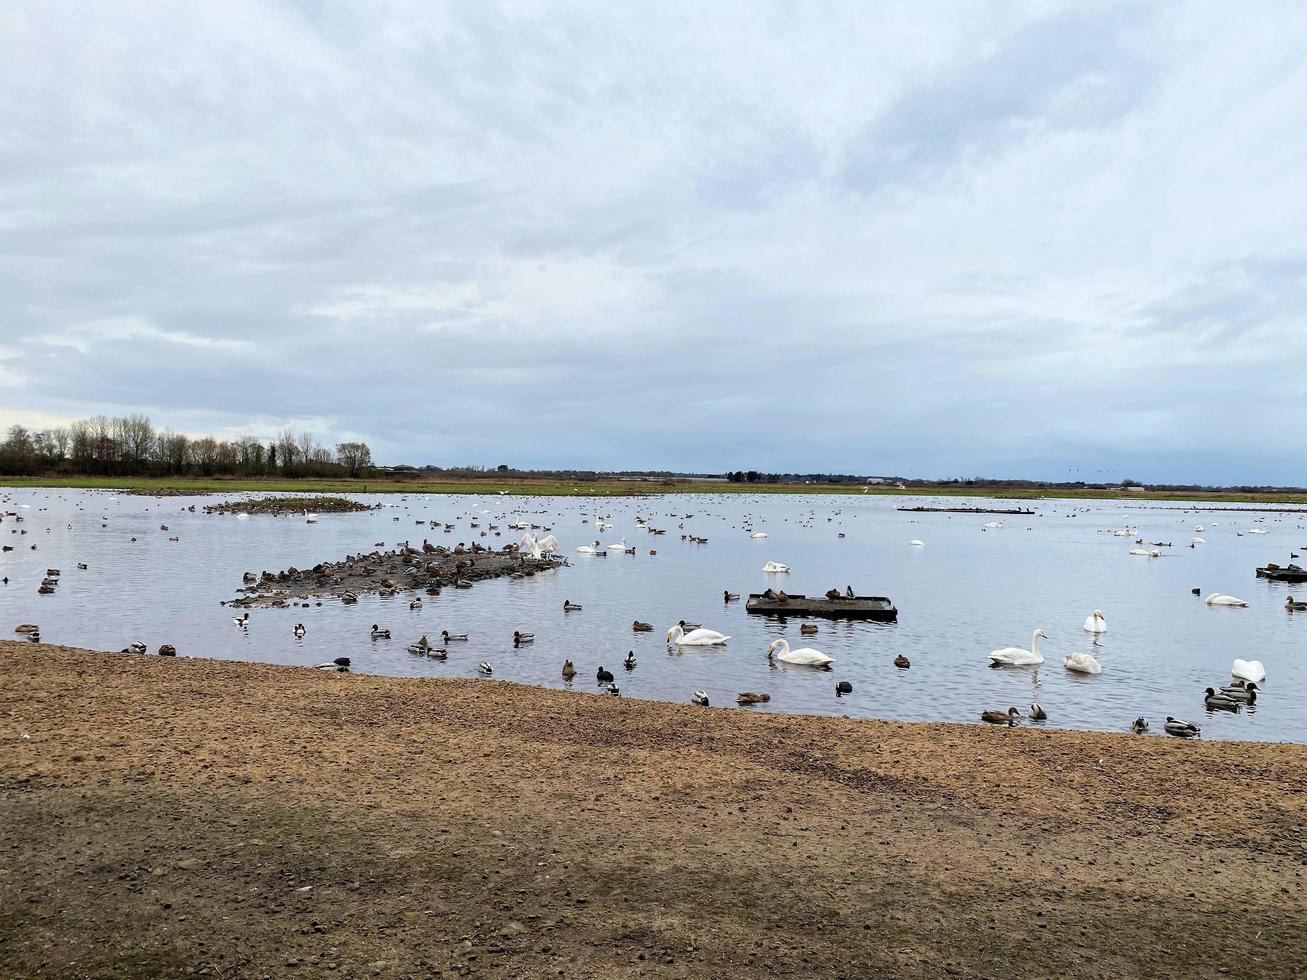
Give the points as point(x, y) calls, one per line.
point(130, 445)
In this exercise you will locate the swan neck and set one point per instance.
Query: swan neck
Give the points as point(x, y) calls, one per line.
point(1034, 643)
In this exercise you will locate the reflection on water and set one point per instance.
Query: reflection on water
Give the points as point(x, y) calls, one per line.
point(966, 590)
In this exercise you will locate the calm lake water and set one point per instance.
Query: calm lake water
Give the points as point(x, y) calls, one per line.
point(967, 591)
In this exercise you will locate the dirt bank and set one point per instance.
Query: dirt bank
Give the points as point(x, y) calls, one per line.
point(159, 817)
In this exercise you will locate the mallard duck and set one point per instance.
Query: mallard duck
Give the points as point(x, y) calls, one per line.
point(843, 687)
point(520, 638)
point(689, 627)
point(451, 637)
point(570, 606)
point(1181, 729)
point(1240, 692)
point(603, 676)
point(751, 697)
point(1292, 605)
point(640, 627)
point(613, 689)
point(1219, 702)
point(629, 662)
point(1037, 712)
point(379, 634)
point(484, 668)
point(437, 653)
point(299, 630)
point(415, 602)
point(134, 648)
point(902, 662)
point(569, 670)
point(1008, 717)
point(729, 597)
point(808, 629)
point(167, 650)
point(700, 698)
point(1139, 725)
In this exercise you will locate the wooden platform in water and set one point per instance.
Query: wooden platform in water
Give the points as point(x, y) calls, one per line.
point(876, 607)
point(1277, 574)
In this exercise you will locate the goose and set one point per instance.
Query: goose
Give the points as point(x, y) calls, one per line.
point(570, 606)
point(603, 676)
point(1291, 604)
point(1241, 692)
point(1008, 717)
point(629, 662)
point(640, 627)
point(1220, 599)
point(1139, 725)
point(1017, 657)
point(902, 662)
point(775, 567)
point(1219, 702)
point(842, 688)
point(1181, 729)
point(1083, 663)
point(134, 648)
point(695, 638)
point(242, 621)
point(1096, 623)
point(803, 657)
point(569, 670)
point(299, 630)
point(450, 637)
point(484, 668)
point(379, 634)
point(520, 638)
point(1037, 712)
point(700, 698)
point(167, 650)
point(1249, 670)
point(751, 697)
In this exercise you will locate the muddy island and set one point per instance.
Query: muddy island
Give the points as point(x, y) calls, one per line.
point(278, 506)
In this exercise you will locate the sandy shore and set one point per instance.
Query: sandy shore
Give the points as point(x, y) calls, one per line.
point(166, 817)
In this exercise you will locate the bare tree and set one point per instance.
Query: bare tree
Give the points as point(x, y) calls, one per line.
point(354, 456)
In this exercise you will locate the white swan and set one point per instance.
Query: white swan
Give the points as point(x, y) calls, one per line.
point(1016, 657)
point(1220, 599)
point(1257, 530)
point(696, 637)
point(803, 657)
point(758, 534)
point(1096, 623)
point(1199, 529)
point(775, 566)
point(1249, 670)
point(548, 544)
point(1197, 541)
point(1083, 663)
point(993, 524)
point(917, 543)
point(618, 547)
point(586, 549)
point(1145, 554)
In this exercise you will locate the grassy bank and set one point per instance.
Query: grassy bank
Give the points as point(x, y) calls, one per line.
point(161, 817)
point(555, 488)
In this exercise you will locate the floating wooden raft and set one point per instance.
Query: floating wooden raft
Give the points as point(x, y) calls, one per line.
point(961, 510)
point(1291, 574)
point(876, 607)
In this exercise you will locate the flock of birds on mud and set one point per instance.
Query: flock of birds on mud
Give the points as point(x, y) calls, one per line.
point(1239, 692)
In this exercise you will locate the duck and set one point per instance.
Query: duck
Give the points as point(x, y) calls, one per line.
point(696, 637)
point(436, 653)
point(1220, 599)
point(802, 657)
point(484, 668)
point(1291, 604)
point(570, 606)
point(379, 634)
point(640, 627)
point(1219, 702)
point(751, 697)
point(808, 629)
point(1037, 712)
point(569, 670)
point(775, 567)
point(134, 648)
point(331, 668)
point(629, 662)
point(1096, 623)
point(688, 626)
point(167, 650)
point(603, 676)
point(450, 637)
point(415, 602)
point(729, 596)
point(242, 621)
point(613, 689)
point(1008, 717)
point(700, 698)
point(902, 662)
point(1241, 692)
point(1083, 663)
point(299, 630)
point(842, 688)
point(1181, 729)
point(1196, 591)
point(1017, 657)
point(520, 638)
point(1248, 670)
point(1139, 725)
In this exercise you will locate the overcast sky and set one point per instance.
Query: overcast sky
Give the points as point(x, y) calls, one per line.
point(928, 239)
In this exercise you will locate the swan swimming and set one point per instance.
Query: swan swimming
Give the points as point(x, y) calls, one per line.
point(1220, 599)
point(1249, 670)
point(1083, 663)
point(758, 534)
point(1017, 657)
point(1096, 623)
point(775, 566)
point(1144, 553)
point(917, 543)
point(803, 657)
point(695, 638)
